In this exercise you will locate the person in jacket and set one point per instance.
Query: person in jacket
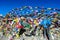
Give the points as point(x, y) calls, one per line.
point(46, 24)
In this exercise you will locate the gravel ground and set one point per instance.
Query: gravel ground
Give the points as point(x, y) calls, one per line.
point(53, 36)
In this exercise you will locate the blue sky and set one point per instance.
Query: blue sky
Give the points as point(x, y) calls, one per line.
point(7, 5)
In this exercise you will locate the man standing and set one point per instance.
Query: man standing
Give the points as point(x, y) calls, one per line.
point(46, 24)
